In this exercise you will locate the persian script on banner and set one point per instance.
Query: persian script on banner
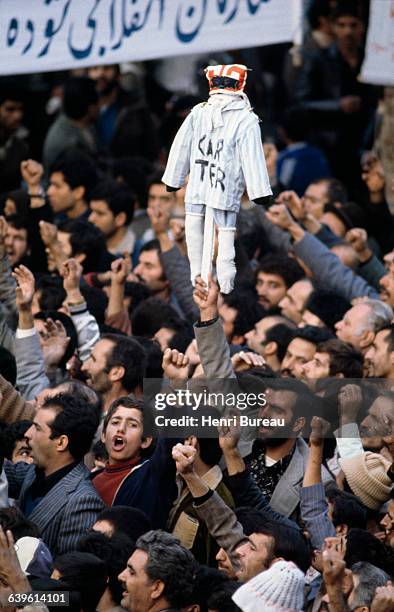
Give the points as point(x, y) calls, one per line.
point(44, 35)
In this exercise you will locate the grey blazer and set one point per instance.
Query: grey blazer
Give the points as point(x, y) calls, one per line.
point(286, 496)
point(66, 512)
point(215, 358)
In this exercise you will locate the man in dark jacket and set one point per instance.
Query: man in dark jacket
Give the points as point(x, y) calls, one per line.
point(125, 125)
point(13, 138)
point(56, 493)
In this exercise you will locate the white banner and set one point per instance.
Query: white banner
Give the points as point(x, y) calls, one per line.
point(44, 35)
point(378, 66)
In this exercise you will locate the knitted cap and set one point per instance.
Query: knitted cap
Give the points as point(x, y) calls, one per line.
point(224, 78)
point(367, 478)
point(34, 557)
point(278, 589)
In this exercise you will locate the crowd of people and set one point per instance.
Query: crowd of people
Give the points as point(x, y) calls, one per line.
point(97, 301)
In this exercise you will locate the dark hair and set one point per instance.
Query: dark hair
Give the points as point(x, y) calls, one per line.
point(171, 563)
point(130, 171)
point(318, 8)
point(221, 599)
point(313, 334)
point(206, 581)
point(78, 170)
point(18, 222)
point(75, 418)
point(12, 90)
point(78, 95)
point(129, 402)
point(85, 239)
point(155, 178)
point(87, 394)
point(336, 190)
point(85, 573)
point(126, 519)
point(328, 307)
point(96, 302)
point(344, 358)
point(182, 337)
point(138, 292)
point(20, 526)
point(210, 451)
point(48, 584)
point(151, 245)
point(348, 8)
point(99, 451)
point(114, 551)
point(152, 314)
point(295, 122)
point(282, 335)
point(281, 265)
point(128, 354)
point(249, 311)
point(21, 200)
point(304, 399)
point(363, 546)
point(117, 196)
point(390, 336)
point(12, 434)
point(347, 508)
point(71, 332)
point(52, 291)
point(154, 356)
point(8, 367)
point(289, 542)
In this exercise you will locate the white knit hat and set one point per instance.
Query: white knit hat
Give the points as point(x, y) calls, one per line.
point(278, 589)
point(367, 478)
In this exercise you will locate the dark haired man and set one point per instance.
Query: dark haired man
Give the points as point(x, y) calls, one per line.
point(274, 276)
point(239, 311)
point(380, 355)
point(270, 338)
point(114, 551)
point(112, 206)
point(132, 477)
point(79, 239)
point(124, 520)
point(322, 192)
point(150, 271)
point(115, 368)
point(56, 493)
point(15, 443)
point(338, 104)
point(345, 510)
point(335, 358)
point(125, 124)
point(159, 574)
point(71, 180)
point(302, 349)
point(16, 240)
point(73, 128)
point(13, 137)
